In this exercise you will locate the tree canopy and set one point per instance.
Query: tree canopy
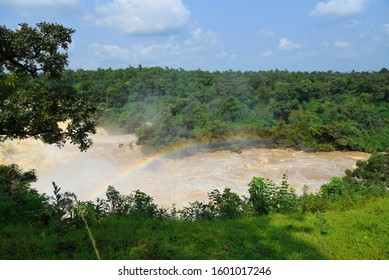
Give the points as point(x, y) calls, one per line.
point(34, 97)
point(317, 111)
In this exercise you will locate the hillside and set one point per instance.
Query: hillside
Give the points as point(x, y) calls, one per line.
point(314, 111)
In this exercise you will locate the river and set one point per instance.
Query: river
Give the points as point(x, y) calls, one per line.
point(170, 179)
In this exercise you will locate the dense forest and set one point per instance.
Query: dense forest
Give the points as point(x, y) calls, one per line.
point(163, 107)
point(317, 111)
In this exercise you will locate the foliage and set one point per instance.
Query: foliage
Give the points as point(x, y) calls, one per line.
point(375, 171)
point(144, 207)
point(139, 205)
point(333, 189)
point(259, 195)
point(227, 205)
point(266, 197)
point(21, 203)
point(18, 202)
point(368, 181)
point(34, 96)
point(34, 50)
point(317, 111)
point(357, 234)
point(133, 226)
point(197, 211)
point(118, 204)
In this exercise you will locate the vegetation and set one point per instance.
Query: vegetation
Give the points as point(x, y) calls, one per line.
point(347, 219)
point(317, 111)
point(314, 111)
point(360, 233)
point(34, 97)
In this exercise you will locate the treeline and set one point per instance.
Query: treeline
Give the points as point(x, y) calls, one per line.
point(316, 111)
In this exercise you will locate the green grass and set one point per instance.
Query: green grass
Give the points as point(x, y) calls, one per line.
point(360, 233)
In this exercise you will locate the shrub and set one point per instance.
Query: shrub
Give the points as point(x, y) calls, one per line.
point(118, 204)
point(373, 172)
point(236, 148)
point(226, 205)
point(19, 202)
point(309, 202)
point(138, 205)
point(325, 147)
point(197, 211)
point(333, 189)
point(260, 195)
point(266, 197)
point(284, 198)
point(143, 206)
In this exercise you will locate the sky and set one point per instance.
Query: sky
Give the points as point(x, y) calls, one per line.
point(217, 35)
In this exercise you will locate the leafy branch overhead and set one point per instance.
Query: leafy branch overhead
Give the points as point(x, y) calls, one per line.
point(34, 50)
point(34, 97)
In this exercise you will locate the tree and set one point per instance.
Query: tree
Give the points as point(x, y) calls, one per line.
point(19, 202)
point(227, 205)
point(34, 99)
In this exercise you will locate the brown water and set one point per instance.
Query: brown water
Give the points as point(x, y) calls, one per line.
point(116, 160)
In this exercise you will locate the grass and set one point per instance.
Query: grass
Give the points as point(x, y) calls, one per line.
point(360, 233)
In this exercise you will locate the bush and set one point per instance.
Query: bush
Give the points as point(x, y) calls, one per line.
point(325, 147)
point(144, 207)
point(284, 197)
point(266, 197)
point(259, 195)
point(333, 189)
point(138, 205)
point(18, 202)
point(236, 148)
point(227, 205)
point(117, 203)
point(197, 211)
point(375, 171)
point(309, 202)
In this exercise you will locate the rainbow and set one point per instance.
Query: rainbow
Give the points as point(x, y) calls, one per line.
point(139, 165)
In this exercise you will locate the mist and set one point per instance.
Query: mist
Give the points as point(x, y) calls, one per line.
point(181, 176)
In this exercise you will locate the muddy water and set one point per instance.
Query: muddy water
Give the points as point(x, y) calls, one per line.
point(116, 160)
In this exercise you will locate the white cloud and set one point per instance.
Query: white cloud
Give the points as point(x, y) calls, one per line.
point(198, 46)
point(197, 33)
point(155, 51)
point(267, 53)
point(112, 52)
point(40, 3)
point(342, 44)
point(386, 28)
point(141, 16)
point(199, 39)
point(285, 45)
point(339, 7)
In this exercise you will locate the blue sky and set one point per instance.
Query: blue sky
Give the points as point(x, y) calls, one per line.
point(298, 35)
